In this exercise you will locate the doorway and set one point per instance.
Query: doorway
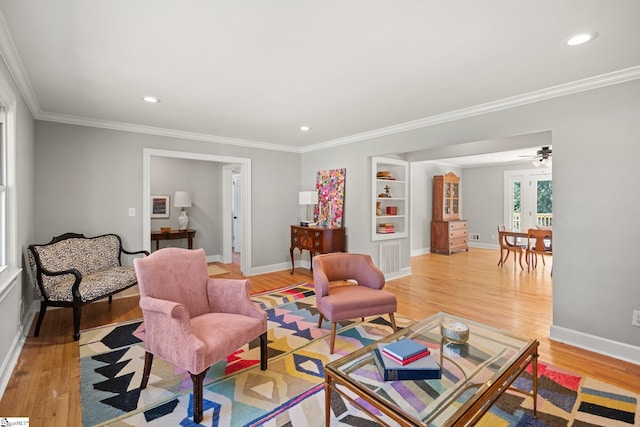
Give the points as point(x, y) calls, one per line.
point(528, 199)
point(243, 165)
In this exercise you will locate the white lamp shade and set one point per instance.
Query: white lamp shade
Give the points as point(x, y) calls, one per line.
point(182, 199)
point(308, 197)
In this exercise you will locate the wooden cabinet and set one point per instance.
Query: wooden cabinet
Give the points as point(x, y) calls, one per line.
point(389, 197)
point(317, 240)
point(449, 236)
point(446, 197)
point(448, 231)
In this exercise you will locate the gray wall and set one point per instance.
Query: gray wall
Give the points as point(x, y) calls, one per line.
point(595, 138)
point(204, 180)
point(88, 178)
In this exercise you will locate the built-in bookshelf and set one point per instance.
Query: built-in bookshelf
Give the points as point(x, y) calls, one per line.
point(390, 195)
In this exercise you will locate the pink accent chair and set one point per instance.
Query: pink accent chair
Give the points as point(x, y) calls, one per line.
point(343, 301)
point(191, 320)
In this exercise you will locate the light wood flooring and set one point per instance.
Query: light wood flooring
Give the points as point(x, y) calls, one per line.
point(45, 385)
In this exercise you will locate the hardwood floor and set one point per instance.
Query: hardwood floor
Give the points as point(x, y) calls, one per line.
point(45, 385)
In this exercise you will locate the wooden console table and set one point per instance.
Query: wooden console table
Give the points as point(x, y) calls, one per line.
point(317, 240)
point(172, 235)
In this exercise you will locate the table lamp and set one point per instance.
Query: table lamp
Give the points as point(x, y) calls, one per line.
point(182, 199)
point(308, 198)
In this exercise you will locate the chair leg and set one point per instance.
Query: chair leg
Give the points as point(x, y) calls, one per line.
point(148, 361)
point(520, 260)
point(43, 310)
point(393, 322)
point(77, 311)
point(320, 319)
point(198, 380)
point(333, 337)
point(263, 351)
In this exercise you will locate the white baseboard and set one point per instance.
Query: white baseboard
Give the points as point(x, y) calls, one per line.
point(214, 258)
point(275, 267)
point(422, 251)
point(618, 350)
point(13, 354)
point(402, 273)
point(484, 245)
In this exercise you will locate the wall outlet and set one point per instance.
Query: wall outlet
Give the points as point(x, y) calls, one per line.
point(474, 236)
point(635, 320)
point(132, 211)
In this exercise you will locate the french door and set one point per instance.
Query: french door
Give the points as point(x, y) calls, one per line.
point(528, 199)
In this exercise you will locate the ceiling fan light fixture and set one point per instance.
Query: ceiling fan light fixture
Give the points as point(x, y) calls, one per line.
point(536, 163)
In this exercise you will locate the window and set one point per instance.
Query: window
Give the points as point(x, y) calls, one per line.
point(8, 211)
point(3, 191)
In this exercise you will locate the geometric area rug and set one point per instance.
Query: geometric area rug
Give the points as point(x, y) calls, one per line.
point(290, 392)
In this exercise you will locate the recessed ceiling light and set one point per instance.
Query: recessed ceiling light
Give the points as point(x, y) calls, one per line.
point(150, 99)
point(305, 128)
point(581, 38)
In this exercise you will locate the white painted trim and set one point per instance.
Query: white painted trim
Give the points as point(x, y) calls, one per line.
point(618, 350)
point(14, 65)
point(245, 167)
point(582, 85)
point(484, 245)
point(171, 133)
point(418, 252)
point(402, 273)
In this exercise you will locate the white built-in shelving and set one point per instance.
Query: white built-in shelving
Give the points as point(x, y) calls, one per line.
point(390, 195)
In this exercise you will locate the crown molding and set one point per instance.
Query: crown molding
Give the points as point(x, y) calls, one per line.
point(171, 133)
point(11, 58)
point(590, 83)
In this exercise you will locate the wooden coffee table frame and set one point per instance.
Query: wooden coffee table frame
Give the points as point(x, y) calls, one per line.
point(468, 414)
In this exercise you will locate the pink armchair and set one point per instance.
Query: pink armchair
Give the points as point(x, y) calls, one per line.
point(191, 320)
point(338, 302)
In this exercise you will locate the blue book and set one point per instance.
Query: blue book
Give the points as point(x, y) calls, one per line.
point(425, 368)
point(405, 348)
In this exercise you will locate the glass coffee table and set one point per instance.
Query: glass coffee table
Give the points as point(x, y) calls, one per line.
point(474, 375)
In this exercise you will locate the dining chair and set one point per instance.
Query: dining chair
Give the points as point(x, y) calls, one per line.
point(191, 320)
point(539, 242)
point(338, 300)
point(509, 244)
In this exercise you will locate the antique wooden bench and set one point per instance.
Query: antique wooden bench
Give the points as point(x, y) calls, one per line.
point(72, 270)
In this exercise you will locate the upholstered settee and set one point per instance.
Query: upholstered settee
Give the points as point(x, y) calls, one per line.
point(73, 270)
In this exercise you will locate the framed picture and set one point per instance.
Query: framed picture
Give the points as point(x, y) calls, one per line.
point(160, 206)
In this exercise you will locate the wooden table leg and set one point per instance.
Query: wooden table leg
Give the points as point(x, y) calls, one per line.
point(534, 371)
point(327, 401)
point(292, 264)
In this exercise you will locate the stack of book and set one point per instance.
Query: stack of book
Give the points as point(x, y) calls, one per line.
point(406, 359)
point(386, 227)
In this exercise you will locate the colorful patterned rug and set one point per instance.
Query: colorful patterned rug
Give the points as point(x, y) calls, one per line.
point(290, 392)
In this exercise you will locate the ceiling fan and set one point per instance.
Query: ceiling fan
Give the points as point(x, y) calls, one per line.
point(542, 157)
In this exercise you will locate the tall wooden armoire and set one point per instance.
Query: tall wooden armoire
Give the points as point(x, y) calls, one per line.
point(448, 231)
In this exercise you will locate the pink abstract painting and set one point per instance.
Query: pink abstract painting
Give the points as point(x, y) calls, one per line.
point(329, 212)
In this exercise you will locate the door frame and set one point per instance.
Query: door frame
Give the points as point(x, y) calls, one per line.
point(245, 170)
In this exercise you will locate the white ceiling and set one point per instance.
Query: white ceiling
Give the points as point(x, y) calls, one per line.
point(251, 72)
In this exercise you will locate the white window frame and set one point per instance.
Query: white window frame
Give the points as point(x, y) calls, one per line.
point(8, 222)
